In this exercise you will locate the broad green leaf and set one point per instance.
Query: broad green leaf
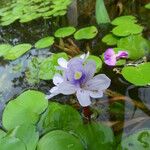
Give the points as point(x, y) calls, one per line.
point(59, 140)
point(138, 75)
point(44, 42)
point(48, 66)
point(2, 134)
point(64, 32)
point(17, 51)
point(110, 39)
point(86, 33)
point(135, 45)
point(27, 133)
point(147, 6)
point(101, 12)
point(4, 48)
point(137, 141)
point(26, 108)
point(11, 143)
point(127, 29)
point(61, 117)
point(123, 20)
point(97, 60)
point(96, 136)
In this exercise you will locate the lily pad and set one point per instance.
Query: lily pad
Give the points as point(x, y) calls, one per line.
point(138, 75)
point(86, 33)
point(44, 42)
point(58, 116)
point(59, 140)
point(147, 6)
point(127, 29)
point(110, 39)
point(135, 45)
point(4, 48)
point(17, 51)
point(137, 141)
point(26, 108)
point(124, 19)
point(2, 134)
point(64, 32)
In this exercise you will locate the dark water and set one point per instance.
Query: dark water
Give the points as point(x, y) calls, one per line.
point(12, 73)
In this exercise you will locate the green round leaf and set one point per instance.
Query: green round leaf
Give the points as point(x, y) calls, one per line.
point(17, 51)
point(137, 141)
point(27, 133)
point(123, 20)
point(11, 143)
point(26, 108)
point(139, 75)
point(135, 45)
point(96, 136)
point(59, 140)
point(147, 6)
point(86, 33)
point(44, 42)
point(4, 48)
point(127, 29)
point(64, 32)
point(61, 117)
point(2, 133)
point(110, 39)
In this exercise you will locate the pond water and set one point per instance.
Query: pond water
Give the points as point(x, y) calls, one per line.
point(125, 107)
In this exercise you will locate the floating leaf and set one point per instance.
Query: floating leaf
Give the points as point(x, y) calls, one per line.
point(59, 116)
point(110, 39)
point(17, 51)
point(135, 45)
point(64, 32)
point(48, 66)
point(147, 6)
point(26, 108)
point(2, 133)
point(123, 20)
point(86, 33)
point(44, 42)
point(137, 141)
point(96, 135)
point(138, 75)
point(127, 29)
point(59, 140)
point(27, 133)
point(4, 48)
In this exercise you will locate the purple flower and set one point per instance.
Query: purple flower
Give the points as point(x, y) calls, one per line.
point(110, 57)
point(78, 78)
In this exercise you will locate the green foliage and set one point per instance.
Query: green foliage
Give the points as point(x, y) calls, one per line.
point(137, 141)
point(135, 45)
point(138, 75)
point(26, 108)
point(17, 51)
point(44, 42)
point(2, 134)
point(147, 6)
point(86, 33)
point(59, 140)
point(4, 48)
point(61, 117)
point(64, 32)
point(28, 10)
point(101, 12)
point(110, 39)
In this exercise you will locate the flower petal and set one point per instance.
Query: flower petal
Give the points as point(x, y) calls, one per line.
point(99, 82)
point(54, 91)
point(83, 97)
point(62, 62)
point(90, 69)
point(122, 54)
point(66, 88)
point(57, 79)
point(85, 56)
point(96, 94)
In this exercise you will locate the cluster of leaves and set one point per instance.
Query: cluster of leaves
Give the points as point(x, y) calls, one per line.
point(30, 123)
point(30, 115)
point(126, 36)
point(27, 10)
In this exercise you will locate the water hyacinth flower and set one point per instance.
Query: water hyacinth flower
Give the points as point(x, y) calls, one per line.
point(78, 78)
point(110, 57)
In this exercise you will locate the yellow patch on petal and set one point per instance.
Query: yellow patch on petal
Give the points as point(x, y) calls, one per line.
point(78, 75)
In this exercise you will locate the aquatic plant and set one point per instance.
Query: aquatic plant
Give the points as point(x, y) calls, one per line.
point(78, 78)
